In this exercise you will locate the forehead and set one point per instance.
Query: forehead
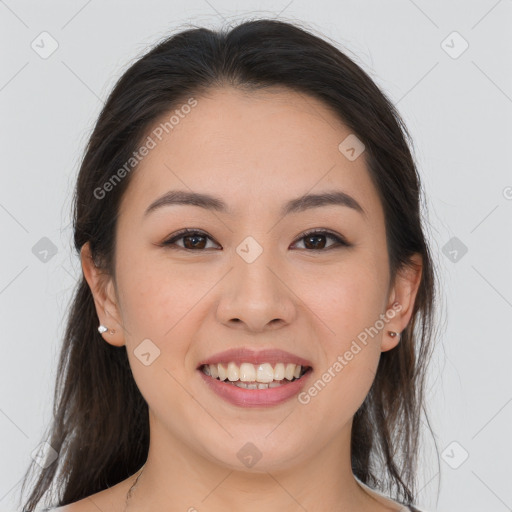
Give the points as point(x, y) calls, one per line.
point(264, 147)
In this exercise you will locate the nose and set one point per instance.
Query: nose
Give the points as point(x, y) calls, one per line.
point(255, 296)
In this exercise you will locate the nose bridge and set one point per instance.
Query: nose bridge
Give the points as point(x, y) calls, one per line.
point(254, 294)
point(253, 271)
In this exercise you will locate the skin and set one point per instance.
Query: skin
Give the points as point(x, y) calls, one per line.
point(255, 151)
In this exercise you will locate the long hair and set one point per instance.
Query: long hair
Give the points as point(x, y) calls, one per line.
point(100, 425)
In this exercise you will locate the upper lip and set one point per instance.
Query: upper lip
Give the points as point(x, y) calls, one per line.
point(246, 355)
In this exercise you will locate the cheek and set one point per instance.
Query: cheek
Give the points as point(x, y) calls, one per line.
point(165, 305)
point(348, 303)
point(347, 298)
point(349, 308)
point(153, 295)
point(157, 307)
point(339, 390)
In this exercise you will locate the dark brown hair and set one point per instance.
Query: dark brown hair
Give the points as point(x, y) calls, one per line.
point(100, 426)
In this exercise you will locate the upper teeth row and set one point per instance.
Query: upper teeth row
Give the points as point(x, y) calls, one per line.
point(248, 372)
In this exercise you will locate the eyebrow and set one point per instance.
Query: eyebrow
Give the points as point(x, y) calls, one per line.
point(300, 204)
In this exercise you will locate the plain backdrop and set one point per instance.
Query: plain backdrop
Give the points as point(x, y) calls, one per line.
point(447, 67)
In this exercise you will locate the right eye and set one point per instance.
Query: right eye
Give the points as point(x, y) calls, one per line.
point(192, 240)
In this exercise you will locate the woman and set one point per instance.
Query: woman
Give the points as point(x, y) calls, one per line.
point(255, 316)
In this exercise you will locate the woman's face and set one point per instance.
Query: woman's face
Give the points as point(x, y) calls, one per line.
point(250, 279)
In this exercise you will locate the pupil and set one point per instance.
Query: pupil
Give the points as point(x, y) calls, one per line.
point(313, 237)
point(194, 244)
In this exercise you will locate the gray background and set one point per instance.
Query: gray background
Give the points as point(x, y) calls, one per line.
point(458, 108)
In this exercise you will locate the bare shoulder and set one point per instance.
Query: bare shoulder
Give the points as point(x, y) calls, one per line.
point(72, 507)
point(111, 499)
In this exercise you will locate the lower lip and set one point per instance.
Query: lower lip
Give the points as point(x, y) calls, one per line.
point(255, 397)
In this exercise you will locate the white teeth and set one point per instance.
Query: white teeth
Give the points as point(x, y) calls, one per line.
point(289, 371)
point(232, 372)
point(222, 372)
point(248, 373)
point(253, 385)
point(279, 371)
point(265, 373)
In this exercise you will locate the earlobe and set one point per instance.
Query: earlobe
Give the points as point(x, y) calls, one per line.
point(390, 339)
point(401, 301)
point(102, 290)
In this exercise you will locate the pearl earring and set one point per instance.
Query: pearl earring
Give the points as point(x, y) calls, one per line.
point(393, 334)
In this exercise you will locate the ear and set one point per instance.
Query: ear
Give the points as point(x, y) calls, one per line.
point(103, 291)
point(403, 292)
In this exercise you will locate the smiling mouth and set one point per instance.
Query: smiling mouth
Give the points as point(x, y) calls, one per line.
point(262, 377)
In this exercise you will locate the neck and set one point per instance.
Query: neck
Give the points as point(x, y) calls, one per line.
point(177, 473)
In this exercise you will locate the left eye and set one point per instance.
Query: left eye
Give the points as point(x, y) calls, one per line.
point(313, 240)
point(317, 239)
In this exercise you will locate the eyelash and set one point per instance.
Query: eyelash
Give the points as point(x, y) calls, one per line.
point(170, 242)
